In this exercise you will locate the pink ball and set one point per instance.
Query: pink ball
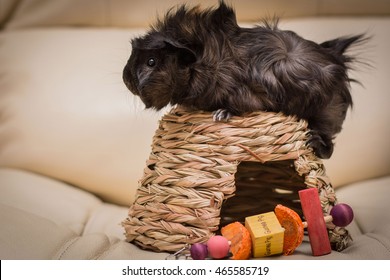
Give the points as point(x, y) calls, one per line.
point(218, 247)
point(342, 214)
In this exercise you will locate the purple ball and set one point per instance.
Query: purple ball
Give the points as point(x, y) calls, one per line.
point(199, 251)
point(342, 214)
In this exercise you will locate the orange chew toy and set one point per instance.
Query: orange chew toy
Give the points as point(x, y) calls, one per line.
point(293, 228)
point(239, 236)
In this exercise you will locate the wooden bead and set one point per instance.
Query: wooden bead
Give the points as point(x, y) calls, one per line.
point(342, 214)
point(218, 247)
point(199, 251)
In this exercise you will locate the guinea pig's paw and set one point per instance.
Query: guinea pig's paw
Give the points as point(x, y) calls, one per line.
point(221, 115)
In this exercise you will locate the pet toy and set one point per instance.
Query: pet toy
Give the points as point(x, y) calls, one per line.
point(276, 232)
point(282, 231)
point(202, 175)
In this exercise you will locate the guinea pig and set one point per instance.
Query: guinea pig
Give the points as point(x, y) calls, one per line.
point(204, 60)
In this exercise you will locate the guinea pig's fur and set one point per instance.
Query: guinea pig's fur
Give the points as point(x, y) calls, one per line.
point(204, 60)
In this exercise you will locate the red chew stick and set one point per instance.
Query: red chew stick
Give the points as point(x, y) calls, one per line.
point(316, 227)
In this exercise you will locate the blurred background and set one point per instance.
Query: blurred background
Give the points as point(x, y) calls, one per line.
point(133, 13)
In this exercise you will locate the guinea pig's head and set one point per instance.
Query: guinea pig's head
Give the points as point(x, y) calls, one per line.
point(158, 70)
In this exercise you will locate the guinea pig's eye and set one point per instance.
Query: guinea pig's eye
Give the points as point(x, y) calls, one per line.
point(151, 62)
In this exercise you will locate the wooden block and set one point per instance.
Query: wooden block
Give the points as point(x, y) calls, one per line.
point(267, 234)
point(316, 227)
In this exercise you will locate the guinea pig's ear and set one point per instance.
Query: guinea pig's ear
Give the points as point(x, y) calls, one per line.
point(185, 55)
point(340, 45)
point(224, 18)
point(225, 13)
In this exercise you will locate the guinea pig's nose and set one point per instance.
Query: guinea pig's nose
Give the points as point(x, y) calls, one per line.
point(141, 77)
point(129, 79)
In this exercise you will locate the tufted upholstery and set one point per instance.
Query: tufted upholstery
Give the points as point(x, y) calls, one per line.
point(73, 140)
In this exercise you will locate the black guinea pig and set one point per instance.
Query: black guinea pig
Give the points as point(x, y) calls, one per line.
point(203, 59)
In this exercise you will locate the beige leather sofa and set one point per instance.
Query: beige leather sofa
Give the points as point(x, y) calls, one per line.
point(73, 140)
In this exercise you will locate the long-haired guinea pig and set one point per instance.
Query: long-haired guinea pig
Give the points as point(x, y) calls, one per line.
point(204, 60)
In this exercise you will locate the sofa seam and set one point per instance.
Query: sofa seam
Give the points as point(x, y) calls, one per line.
point(109, 247)
point(90, 218)
point(66, 247)
point(373, 235)
point(359, 226)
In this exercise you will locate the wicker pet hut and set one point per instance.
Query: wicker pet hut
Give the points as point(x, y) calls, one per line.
point(202, 174)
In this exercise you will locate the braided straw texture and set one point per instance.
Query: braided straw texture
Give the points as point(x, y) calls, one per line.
point(190, 174)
